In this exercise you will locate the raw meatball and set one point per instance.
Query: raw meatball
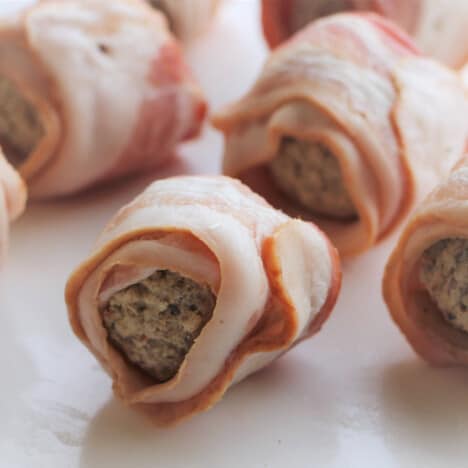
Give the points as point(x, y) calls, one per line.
point(155, 322)
point(444, 272)
point(310, 175)
point(20, 127)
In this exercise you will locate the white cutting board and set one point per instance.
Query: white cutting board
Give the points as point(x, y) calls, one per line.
point(353, 396)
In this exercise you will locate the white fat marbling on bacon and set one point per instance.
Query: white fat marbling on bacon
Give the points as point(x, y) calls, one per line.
point(233, 223)
point(101, 93)
point(441, 30)
point(189, 18)
point(357, 85)
point(442, 216)
point(12, 201)
point(110, 84)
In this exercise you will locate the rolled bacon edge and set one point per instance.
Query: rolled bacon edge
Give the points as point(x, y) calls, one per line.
point(464, 75)
point(357, 86)
point(275, 280)
point(434, 242)
point(91, 91)
point(12, 201)
point(187, 18)
point(437, 26)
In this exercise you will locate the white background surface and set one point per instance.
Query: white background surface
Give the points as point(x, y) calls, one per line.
point(353, 396)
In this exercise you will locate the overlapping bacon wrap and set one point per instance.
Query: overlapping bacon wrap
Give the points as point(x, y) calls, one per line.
point(438, 228)
point(92, 90)
point(12, 201)
point(275, 279)
point(464, 75)
point(438, 26)
point(187, 18)
point(355, 84)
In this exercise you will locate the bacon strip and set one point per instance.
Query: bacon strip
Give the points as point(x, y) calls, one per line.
point(187, 18)
point(464, 76)
point(437, 26)
point(109, 84)
point(276, 282)
point(12, 200)
point(443, 214)
point(356, 84)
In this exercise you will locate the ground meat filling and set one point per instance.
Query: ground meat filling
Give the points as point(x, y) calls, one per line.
point(305, 11)
point(20, 126)
point(155, 322)
point(309, 174)
point(444, 273)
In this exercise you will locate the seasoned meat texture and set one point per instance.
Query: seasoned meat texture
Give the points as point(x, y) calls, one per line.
point(155, 322)
point(20, 127)
point(305, 11)
point(310, 175)
point(444, 272)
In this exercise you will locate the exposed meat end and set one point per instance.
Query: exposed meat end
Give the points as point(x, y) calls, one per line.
point(444, 273)
point(309, 174)
point(155, 322)
point(20, 125)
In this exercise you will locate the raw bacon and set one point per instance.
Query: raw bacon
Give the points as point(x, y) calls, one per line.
point(464, 76)
point(92, 91)
point(441, 219)
point(275, 279)
point(12, 201)
point(187, 18)
point(437, 26)
point(356, 85)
